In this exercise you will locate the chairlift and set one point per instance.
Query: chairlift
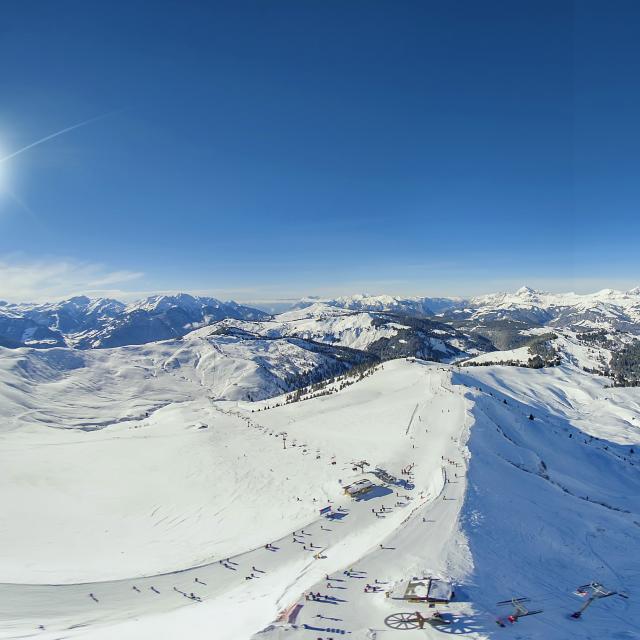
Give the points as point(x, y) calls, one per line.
point(593, 591)
point(520, 610)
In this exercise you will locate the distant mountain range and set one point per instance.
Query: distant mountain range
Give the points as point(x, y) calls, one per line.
point(446, 325)
point(89, 324)
point(246, 353)
point(607, 309)
point(409, 306)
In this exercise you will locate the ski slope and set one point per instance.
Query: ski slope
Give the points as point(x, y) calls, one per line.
point(64, 388)
point(107, 532)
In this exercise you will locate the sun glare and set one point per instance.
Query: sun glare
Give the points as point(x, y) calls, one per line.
point(3, 170)
point(2, 165)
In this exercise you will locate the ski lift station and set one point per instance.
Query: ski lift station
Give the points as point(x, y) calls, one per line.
point(358, 488)
point(424, 590)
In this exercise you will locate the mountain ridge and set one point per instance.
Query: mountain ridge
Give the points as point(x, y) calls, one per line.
point(87, 323)
point(84, 322)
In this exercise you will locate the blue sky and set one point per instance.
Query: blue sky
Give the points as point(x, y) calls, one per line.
point(276, 149)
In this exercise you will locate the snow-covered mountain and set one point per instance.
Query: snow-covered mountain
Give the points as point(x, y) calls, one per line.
point(379, 327)
point(97, 323)
point(85, 323)
point(384, 334)
point(423, 306)
point(607, 309)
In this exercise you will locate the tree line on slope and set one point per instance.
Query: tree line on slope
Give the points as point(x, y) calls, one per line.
point(625, 365)
point(330, 385)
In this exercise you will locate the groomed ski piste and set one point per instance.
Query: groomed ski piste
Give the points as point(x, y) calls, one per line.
point(198, 518)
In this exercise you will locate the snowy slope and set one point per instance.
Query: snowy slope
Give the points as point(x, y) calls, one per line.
point(550, 507)
point(520, 355)
point(197, 492)
point(69, 389)
point(500, 504)
point(132, 412)
point(569, 347)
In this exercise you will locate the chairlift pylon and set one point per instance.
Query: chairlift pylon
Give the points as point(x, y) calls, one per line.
point(520, 610)
point(593, 591)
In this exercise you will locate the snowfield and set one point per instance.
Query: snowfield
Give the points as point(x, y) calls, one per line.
point(321, 323)
point(520, 355)
point(65, 388)
point(145, 498)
